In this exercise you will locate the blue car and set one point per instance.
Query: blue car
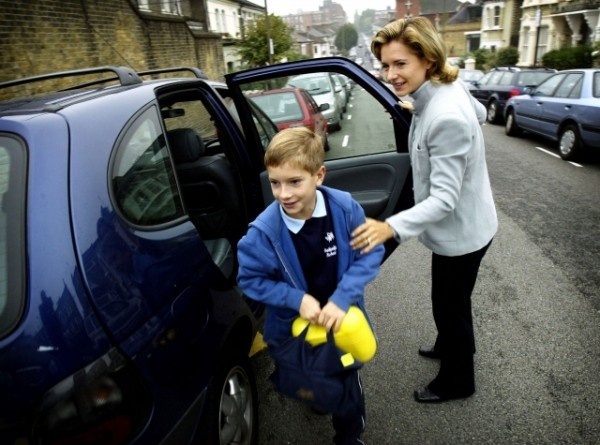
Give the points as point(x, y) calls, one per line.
point(123, 196)
point(564, 108)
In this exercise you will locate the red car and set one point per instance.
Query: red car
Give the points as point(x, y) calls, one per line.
point(293, 107)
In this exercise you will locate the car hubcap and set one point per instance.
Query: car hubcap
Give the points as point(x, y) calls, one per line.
point(236, 417)
point(492, 112)
point(566, 142)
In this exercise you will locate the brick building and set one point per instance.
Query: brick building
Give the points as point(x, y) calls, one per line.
point(43, 36)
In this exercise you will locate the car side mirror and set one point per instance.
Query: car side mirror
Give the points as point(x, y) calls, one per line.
point(337, 89)
point(324, 107)
point(529, 90)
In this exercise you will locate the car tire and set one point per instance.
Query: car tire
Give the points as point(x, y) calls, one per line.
point(511, 128)
point(569, 142)
point(231, 415)
point(326, 145)
point(492, 112)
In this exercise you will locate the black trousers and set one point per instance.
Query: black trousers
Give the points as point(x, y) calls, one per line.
point(453, 280)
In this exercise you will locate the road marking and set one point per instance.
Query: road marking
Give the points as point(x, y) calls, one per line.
point(574, 164)
point(349, 117)
point(345, 141)
point(548, 152)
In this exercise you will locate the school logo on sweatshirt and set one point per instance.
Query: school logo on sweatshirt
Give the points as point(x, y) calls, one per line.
point(330, 250)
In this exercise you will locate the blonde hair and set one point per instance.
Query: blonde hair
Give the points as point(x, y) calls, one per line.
point(423, 40)
point(300, 147)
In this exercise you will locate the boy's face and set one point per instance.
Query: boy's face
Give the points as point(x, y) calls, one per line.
point(295, 189)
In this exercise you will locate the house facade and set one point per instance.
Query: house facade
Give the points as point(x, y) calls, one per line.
point(230, 19)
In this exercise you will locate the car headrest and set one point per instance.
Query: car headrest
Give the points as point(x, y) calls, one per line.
point(187, 145)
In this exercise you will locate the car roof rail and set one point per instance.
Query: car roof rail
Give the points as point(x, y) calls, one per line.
point(125, 75)
point(196, 71)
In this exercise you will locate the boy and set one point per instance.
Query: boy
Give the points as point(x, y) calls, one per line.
point(296, 257)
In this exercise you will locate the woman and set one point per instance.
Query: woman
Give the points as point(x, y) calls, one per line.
point(454, 214)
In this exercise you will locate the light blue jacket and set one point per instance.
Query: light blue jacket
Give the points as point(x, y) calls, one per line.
point(270, 271)
point(454, 212)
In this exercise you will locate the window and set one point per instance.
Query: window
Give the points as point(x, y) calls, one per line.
point(547, 88)
point(497, 12)
point(363, 129)
point(596, 84)
point(542, 43)
point(143, 179)
point(12, 235)
point(525, 43)
point(571, 86)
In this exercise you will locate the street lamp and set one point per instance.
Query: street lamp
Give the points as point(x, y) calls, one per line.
point(269, 40)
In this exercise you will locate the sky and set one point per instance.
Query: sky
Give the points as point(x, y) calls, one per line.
point(285, 7)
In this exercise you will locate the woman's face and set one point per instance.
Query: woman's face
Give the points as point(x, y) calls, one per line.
point(402, 68)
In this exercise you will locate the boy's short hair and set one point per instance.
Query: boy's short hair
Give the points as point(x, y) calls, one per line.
point(300, 147)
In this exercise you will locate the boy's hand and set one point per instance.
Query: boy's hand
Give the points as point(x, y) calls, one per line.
point(331, 317)
point(310, 308)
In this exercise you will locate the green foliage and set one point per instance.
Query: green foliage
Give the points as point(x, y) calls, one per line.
point(254, 49)
point(346, 38)
point(508, 56)
point(569, 57)
point(482, 57)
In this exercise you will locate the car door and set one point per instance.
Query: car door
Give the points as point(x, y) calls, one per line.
point(532, 111)
point(368, 157)
point(562, 104)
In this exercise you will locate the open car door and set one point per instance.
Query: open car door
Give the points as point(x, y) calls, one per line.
point(367, 155)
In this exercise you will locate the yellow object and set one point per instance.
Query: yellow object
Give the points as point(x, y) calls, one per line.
point(354, 336)
point(257, 345)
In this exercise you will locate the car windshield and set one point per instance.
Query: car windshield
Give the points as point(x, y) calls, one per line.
point(314, 85)
point(280, 107)
point(532, 78)
point(12, 238)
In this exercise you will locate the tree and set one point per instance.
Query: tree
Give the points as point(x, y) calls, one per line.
point(254, 49)
point(508, 56)
point(346, 38)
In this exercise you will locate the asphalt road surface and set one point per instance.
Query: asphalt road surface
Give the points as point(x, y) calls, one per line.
point(536, 314)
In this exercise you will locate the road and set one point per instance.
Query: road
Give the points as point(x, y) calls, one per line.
point(537, 323)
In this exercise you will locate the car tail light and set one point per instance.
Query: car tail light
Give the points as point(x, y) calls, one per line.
point(514, 92)
point(105, 403)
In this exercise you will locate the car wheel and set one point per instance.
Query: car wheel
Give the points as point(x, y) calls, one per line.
point(511, 128)
point(232, 405)
point(492, 112)
point(569, 142)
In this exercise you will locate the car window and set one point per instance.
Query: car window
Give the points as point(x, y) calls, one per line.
point(280, 107)
point(495, 77)
point(312, 105)
point(532, 78)
point(12, 237)
point(143, 178)
point(506, 79)
point(596, 84)
point(315, 84)
point(365, 127)
point(570, 87)
point(547, 88)
point(485, 79)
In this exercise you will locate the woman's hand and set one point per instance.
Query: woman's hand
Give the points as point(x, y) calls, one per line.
point(368, 235)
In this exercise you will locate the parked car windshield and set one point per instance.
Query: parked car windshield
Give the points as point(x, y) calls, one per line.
point(313, 84)
point(280, 107)
point(12, 237)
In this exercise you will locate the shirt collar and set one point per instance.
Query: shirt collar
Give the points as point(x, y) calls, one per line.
point(295, 225)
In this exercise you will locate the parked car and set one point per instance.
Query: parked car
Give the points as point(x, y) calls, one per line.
point(470, 76)
point(564, 108)
point(502, 83)
point(121, 203)
point(325, 90)
point(293, 107)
